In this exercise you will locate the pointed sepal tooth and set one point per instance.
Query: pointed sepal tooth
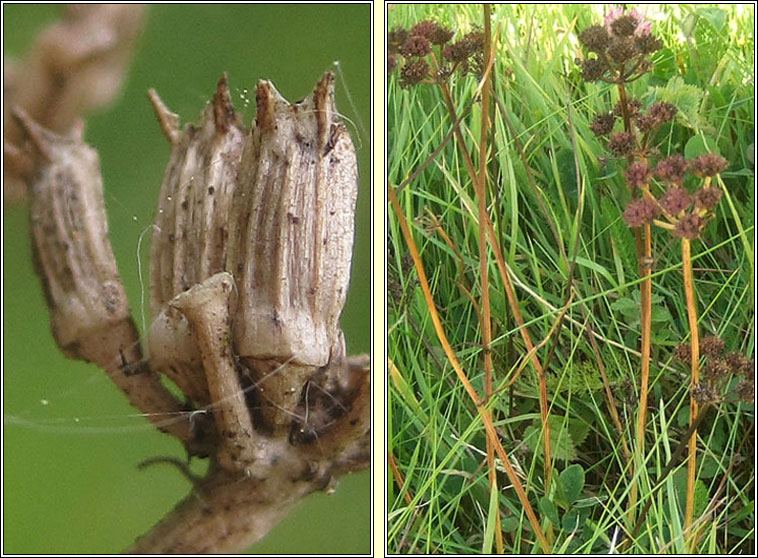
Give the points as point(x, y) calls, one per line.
point(323, 101)
point(224, 115)
point(169, 121)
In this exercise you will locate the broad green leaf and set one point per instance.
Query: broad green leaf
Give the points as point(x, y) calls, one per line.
point(698, 145)
point(572, 482)
point(687, 99)
point(548, 509)
point(510, 524)
point(715, 16)
point(701, 492)
point(572, 520)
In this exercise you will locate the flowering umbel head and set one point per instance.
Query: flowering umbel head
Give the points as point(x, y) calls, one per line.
point(428, 38)
point(620, 47)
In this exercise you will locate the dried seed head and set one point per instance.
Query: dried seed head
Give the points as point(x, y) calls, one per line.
point(745, 389)
point(471, 44)
point(624, 26)
point(413, 72)
point(396, 39)
point(672, 169)
point(704, 393)
point(662, 111)
point(416, 45)
point(708, 197)
point(683, 353)
point(622, 49)
point(71, 248)
point(716, 369)
point(648, 43)
point(275, 208)
point(391, 62)
point(88, 307)
point(712, 346)
point(708, 164)
point(645, 122)
point(738, 363)
point(633, 107)
point(637, 175)
point(640, 211)
point(621, 143)
point(191, 223)
point(595, 38)
point(602, 124)
point(592, 68)
point(433, 31)
point(191, 229)
point(291, 235)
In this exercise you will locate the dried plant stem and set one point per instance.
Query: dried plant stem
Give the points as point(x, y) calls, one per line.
point(510, 293)
point(490, 431)
point(223, 514)
point(624, 107)
point(486, 321)
point(689, 293)
point(644, 253)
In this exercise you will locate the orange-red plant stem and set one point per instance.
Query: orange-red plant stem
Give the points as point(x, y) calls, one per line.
point(486, 418)
point(511, 296)
point(486, 319)
point(689, 293)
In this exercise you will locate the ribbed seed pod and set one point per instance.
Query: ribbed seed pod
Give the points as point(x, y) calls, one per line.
point(291, 239)
point(89, 312)
point(191, 229)
point(71, 248)
point(191, 224)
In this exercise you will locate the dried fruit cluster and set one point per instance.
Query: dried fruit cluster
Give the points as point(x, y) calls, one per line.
point(250, 264)
point(674, 203)
point(620, 48)
point(720, 367)
point(427, 53)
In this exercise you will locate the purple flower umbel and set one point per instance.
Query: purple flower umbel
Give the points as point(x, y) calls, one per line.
point(640, 211)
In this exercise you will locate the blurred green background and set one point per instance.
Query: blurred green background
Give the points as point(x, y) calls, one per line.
point(71, 443)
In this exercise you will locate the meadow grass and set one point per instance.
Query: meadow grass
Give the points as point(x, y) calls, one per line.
point(555, 197)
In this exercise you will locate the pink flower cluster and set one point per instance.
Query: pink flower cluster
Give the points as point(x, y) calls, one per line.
point(643, 25)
